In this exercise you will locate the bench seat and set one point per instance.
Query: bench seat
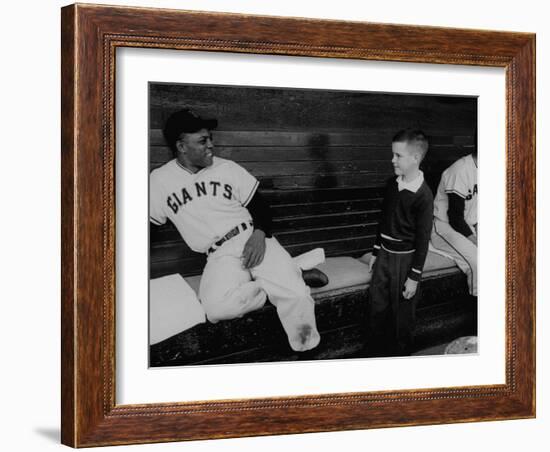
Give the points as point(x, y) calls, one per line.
point(444, 311)
point(345, 271)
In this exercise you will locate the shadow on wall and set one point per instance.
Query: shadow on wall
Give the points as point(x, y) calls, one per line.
point(318, 148)
point(433, 165)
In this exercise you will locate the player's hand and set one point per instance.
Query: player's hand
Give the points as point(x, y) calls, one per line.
point(254, 249)
point(410, 289)
point(371, 263)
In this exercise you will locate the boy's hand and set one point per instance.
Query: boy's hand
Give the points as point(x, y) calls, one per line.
point(371, 263)
point(410, 289)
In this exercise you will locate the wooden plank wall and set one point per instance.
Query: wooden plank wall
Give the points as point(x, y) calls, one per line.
point(321, 157)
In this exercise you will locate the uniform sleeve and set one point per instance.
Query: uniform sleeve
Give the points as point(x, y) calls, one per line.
point(157, 213)
point(455, 181)
point(245, 184)
point(456, 215)
point(424, 220)
point(261, 213)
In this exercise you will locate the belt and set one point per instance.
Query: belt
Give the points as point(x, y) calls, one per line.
point(232, 233)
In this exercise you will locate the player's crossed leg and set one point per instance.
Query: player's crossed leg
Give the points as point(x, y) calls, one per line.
point(282, 280)
point(228, 291)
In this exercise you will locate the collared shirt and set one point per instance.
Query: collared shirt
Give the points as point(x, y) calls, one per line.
point(413, 185)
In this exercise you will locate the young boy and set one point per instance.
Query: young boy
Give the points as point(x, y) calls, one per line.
point(400, 249)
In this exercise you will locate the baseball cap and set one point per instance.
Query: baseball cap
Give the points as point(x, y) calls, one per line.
point(185, 121)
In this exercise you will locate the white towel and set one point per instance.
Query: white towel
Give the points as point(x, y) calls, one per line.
point(307, 261)
point(173, 307)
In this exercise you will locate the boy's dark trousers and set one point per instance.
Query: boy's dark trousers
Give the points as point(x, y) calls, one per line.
point(391, 318)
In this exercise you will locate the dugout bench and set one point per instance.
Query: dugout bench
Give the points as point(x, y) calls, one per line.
point(325, 191)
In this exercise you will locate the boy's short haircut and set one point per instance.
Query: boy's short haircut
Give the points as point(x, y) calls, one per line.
point(417, 138)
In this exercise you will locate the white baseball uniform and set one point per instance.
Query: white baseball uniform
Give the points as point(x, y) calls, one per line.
point(461, 179)
point(206, 205)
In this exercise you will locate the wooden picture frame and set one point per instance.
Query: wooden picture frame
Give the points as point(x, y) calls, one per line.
point(90, 36)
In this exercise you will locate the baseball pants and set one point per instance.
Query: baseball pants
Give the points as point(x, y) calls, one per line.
point(459, 248)
point(228, 291)
point(391, 316)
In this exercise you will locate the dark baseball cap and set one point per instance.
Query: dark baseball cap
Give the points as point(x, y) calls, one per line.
point(185, 121)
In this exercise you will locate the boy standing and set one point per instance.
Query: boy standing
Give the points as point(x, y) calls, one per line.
point(400, 249)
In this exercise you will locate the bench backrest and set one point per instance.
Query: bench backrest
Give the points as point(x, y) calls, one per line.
point(324, 185)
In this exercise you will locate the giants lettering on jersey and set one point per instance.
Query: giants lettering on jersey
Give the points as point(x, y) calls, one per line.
point(471, 193)
point(212, 188)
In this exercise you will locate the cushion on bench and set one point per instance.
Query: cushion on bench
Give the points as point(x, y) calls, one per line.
point(171, 313)
point(342, 272)
point(347, 271)
point(435, 262)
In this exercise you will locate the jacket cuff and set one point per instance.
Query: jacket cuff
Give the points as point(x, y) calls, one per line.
point(375, 250)
point(415, 274)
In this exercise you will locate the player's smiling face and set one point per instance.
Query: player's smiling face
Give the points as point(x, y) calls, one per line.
point(404, 160)
point(196, 150)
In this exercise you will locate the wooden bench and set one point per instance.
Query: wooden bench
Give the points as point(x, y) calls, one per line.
point(322, 160)
point(444, 313)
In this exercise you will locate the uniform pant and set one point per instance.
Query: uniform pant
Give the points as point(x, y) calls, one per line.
point(228, 291)
point(391, 316)
point(459, 248)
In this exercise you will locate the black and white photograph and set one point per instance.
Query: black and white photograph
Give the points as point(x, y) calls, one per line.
point(284, 290)
point(292, 224)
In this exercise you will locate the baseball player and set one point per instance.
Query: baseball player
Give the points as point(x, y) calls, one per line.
point(455, 217)
point(215, 206)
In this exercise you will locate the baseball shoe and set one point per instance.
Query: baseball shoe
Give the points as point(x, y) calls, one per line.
point(314, 277)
